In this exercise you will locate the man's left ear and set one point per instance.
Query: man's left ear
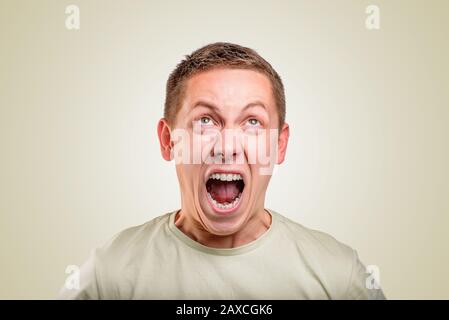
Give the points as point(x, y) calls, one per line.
point(282, 143)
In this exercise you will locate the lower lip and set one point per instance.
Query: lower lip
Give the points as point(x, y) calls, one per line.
point(225, 211)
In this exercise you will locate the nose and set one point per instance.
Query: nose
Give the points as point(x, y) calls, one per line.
point(228, 147)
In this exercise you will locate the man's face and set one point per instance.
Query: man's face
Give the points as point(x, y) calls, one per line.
point(225, 123)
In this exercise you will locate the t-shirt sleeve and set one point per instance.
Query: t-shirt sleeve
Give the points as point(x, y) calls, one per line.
point(87, 288)
point(363, 285)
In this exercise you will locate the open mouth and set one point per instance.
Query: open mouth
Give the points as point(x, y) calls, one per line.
point(224, 191)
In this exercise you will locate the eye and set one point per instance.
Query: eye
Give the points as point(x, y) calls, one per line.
point(254, 122)
point(205, 120)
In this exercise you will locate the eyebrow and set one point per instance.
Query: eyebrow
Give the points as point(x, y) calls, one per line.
point(209, 105)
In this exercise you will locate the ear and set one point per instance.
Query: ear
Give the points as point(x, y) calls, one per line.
point(282, 143)
point(163, 132)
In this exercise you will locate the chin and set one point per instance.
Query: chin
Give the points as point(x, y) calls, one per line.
point(223, 228)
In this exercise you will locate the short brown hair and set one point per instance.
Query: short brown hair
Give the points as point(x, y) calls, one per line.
point(214, 55)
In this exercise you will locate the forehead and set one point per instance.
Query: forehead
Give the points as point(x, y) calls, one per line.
point(235, 87)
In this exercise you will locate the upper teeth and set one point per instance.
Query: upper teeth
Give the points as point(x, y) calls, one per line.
point(226, 176)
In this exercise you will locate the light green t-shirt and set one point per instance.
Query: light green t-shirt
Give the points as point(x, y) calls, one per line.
point(156, 260)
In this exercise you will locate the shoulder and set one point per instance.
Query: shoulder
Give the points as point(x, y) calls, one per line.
point(312, 239)
point(131, 240)
point(138, 233)
point(119, 261)
point(327, 259)
point(336, 264)
point(111, 265)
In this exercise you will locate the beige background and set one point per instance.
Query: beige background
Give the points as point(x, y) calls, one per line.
point(368, 110)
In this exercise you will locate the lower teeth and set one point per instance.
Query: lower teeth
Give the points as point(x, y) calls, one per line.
point(225, 205)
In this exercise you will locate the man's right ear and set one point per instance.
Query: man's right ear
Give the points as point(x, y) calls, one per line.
point(163, 132)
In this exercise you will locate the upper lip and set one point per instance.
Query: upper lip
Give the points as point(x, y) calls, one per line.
point(222, 170)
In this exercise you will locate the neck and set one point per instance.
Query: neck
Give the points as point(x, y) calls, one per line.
point(257, 225)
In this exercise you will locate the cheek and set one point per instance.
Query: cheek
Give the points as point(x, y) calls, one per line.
point(261, 148)
point(207, 143)
point(259, 181)
point(181, 173)
point(188, 175)
point(250, 148)
point(200, 147)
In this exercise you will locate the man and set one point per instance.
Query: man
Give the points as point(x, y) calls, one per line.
point(224, 104)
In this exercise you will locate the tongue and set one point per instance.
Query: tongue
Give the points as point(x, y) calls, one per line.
point(224, 191)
